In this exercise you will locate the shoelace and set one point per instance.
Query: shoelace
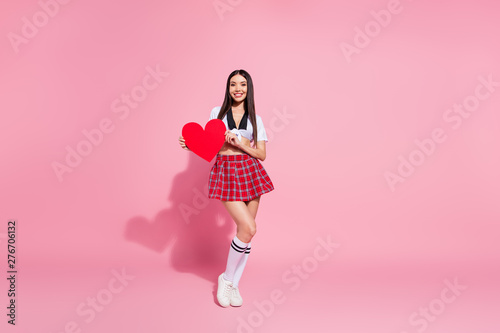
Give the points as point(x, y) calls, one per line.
point(227, 290)
point(236, 293)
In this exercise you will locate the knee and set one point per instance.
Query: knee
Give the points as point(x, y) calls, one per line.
point(247, 233)
point(252, 231)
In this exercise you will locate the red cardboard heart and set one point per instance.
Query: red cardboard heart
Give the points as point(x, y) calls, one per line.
point(205, 143)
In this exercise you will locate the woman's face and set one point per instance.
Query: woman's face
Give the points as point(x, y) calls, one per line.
point(238, 88)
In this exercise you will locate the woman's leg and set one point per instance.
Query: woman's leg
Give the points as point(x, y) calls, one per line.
point(252, 206)
point(245, 230)
point(244, 218)
point(243, 214)
point(245, 226)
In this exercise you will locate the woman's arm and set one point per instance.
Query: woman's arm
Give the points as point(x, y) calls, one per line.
point(259, 152)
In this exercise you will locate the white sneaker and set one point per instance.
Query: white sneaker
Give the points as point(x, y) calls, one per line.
point(236, 299)
point(224, 290)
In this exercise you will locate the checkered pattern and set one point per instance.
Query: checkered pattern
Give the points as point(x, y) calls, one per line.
point(238, 178)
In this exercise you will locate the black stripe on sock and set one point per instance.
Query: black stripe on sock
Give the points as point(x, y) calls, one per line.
point(239, 247)
point(237, 250)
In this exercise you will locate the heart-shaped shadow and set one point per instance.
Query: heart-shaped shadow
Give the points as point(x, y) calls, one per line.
point(199, 230)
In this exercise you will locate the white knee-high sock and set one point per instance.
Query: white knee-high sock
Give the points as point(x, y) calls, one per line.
point(241, 266)
point(236, 253)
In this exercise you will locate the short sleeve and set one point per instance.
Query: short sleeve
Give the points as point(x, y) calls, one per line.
point(261, 131)
point(214, 113)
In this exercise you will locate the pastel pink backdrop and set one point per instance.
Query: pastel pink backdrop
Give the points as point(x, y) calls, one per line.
point(336, 123)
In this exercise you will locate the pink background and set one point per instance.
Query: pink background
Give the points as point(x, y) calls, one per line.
point(336, 124)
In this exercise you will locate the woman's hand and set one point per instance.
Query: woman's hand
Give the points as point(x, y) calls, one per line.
point(232, 139)
point(182, 142)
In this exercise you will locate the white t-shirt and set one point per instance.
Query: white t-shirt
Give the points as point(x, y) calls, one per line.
point(246, 133)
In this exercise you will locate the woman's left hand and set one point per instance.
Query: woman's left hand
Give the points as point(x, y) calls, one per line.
point(232, 138)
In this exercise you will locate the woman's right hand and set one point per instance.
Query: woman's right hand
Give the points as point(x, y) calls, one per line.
point(182, 142)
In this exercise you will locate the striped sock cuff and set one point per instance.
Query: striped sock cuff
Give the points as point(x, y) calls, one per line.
point(237, 247)
point(249, 247)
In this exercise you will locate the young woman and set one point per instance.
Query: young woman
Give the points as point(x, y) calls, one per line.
point(237, 178)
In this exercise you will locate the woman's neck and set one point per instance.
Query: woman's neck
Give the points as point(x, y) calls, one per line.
point(239, 106)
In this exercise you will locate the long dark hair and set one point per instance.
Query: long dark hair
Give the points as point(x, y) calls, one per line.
point(249, 103)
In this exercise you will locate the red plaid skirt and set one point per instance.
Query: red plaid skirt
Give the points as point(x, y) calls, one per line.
point(238, 178)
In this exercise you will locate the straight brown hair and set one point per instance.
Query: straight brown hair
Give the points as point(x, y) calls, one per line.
point(249, 104)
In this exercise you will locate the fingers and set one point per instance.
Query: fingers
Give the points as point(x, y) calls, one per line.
point(233, 140)
point(230, 135)
point(182, 142)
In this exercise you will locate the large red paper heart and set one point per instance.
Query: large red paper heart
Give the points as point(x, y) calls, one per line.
point(205, 143)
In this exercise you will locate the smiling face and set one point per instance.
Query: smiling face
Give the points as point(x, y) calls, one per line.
point(238, 88)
